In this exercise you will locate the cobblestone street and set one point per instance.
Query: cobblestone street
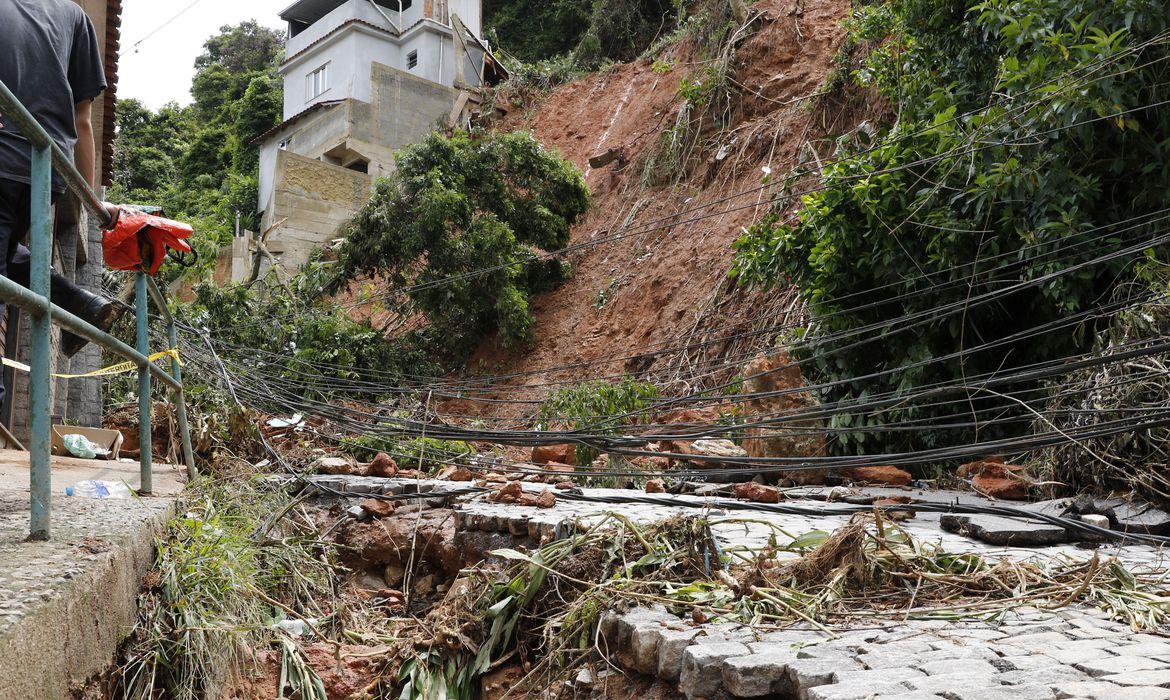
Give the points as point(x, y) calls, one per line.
point(1029, 655)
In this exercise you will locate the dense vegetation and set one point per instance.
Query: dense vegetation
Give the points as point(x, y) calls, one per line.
point(591, 31)
point(1029, 141)
point(197, 162)
point(474, 212)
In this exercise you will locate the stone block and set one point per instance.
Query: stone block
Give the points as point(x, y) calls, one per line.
point(1030, 662)
point(1050, 675)
point(877, 676)
point(1019, 692)
point(671, 645)
point(644, 641)
point(1098, 690)
point(756, 675)
point(950, 667)
point(702, 667)
point(1159, 678)
point(1154, 650)
point(810, 673)
point(1120, 664)
point(856, 691)
point(952, 682)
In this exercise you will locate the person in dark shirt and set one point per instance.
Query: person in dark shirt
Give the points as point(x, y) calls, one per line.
point(50, 59)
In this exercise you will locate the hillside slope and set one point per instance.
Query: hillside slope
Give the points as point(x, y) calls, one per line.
point(650, 295)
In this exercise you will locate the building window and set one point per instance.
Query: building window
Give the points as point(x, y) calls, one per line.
point(412, 60)
point(317, 82)
point(405, 5)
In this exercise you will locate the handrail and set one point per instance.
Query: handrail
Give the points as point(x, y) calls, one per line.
point(36, 300)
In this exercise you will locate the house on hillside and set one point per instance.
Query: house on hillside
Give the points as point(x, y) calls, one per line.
point(362, 78)
point(77, 252)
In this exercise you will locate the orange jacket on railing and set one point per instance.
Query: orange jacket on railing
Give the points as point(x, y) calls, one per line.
point(139, 241)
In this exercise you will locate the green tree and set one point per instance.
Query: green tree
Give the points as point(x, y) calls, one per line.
point(461, 224)
point(246, 47)
point(1027, 145)
point(259, 110)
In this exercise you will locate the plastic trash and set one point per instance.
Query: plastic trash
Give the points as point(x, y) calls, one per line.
point(296, 628)
point(92, 488)
point(83, 447)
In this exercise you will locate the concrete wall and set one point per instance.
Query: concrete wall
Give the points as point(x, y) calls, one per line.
point(471, 12)
point(354, 9)
point(314, 199)
point(340, 54)
point(310, 137)
point(405, 108)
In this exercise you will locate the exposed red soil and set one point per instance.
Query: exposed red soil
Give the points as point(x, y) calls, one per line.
point(660, 284)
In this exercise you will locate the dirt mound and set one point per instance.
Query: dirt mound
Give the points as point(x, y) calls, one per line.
point(655, 276)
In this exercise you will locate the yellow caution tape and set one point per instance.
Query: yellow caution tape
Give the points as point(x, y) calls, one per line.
point(120, 368)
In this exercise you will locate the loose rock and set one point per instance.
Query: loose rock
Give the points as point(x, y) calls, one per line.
point(563, 454)
point(377, 507)
point(886, 475)
point(757, 493)
point(383, 466)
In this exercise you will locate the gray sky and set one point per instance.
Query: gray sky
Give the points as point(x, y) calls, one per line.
point(160, 68)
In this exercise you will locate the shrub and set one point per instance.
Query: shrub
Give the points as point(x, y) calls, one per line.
point(462, 225)
point(597, 407)
point(1024, 146)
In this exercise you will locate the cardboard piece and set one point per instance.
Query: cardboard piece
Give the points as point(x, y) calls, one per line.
point(107, 439)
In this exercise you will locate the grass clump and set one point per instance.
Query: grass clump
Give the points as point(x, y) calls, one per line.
point(227, 570)
point(597, 407)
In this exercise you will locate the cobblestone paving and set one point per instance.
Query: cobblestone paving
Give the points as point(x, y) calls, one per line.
point(739, 532)
point(1029, 655)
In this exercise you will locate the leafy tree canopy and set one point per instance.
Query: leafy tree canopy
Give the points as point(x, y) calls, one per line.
point(197, 161)
point(246, 47)
point(593, 31)
point(460, 225)
point(1031, 139)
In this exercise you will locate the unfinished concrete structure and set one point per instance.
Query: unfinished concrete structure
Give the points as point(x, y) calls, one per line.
point(362, 78)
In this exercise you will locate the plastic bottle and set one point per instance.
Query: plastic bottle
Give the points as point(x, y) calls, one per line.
point(92, 488)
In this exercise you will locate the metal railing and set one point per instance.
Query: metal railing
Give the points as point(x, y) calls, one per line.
point(35, 300)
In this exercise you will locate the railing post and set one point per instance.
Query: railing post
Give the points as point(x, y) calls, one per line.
point(184, 427)
point(41, 228)
point(142, 313)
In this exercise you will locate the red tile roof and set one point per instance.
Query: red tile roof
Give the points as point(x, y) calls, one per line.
point(110, 106)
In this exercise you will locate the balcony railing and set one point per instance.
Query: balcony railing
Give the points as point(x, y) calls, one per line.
point(35, 301)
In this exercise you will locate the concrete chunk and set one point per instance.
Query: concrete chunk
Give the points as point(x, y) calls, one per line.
point(1004, 532)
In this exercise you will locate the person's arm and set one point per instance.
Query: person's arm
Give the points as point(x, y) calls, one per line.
point(83, 152)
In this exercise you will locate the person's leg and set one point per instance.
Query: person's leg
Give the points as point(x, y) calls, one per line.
point(14, 220)
point(63, 291)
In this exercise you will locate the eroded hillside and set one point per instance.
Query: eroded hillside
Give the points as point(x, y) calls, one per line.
point(650, 293)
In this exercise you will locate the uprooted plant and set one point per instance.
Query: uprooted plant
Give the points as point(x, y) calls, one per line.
point(543, 611)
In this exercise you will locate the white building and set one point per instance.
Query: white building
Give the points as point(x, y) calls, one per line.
point(362, 78)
